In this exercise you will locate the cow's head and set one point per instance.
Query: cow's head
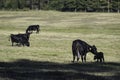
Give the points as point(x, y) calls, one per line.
point(27, 44)
point(93, 49)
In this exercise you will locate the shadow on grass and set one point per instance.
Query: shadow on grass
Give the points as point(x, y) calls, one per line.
point(35, 70)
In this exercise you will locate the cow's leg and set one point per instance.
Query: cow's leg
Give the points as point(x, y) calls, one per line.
point(73, 59)
point(77, 59)
point(73, 55)
point(12, 43)
point(78, 56)
point(82, 58)
point(100, 60)
point(103, 59)
point(22, 44)
point(85, 58)
point(97, 60)
point(37, 31)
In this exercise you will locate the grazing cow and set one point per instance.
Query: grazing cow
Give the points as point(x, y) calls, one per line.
point(21, 39)
point(32, 28)
point(81, 48)
point(99, 56)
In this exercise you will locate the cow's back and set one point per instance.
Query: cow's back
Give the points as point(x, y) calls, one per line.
point(82, 46)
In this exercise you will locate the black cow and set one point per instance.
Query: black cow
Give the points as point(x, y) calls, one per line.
point(99, 56)
point(21, 39)
point(32, 28)
point(81, 48)
point(25, 35)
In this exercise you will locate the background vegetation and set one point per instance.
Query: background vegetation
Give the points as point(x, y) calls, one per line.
point(62, 5)
point(49, 56)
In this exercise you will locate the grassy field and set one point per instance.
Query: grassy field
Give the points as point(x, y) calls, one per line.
point(49, 56)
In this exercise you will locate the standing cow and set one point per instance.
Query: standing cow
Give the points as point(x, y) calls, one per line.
point(21, 39)
point(24, 35)
point(80, 49)
point(32, 28)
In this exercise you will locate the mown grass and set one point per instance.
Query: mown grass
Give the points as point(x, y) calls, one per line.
point(49, 56)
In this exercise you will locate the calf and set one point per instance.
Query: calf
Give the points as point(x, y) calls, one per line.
point(32, 28)
point(99, 56)
point(81, 48)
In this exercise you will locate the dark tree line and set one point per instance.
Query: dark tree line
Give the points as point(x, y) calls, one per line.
point(62, 5)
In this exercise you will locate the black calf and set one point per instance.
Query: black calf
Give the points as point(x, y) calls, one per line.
point(99, 56)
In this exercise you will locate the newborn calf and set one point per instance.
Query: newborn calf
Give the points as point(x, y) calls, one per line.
point(99, 56)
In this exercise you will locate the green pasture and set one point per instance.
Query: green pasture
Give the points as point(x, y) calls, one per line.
point(51, 48)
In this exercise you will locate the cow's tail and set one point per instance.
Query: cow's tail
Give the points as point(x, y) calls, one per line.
point(78, 53)
point(73, 51)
